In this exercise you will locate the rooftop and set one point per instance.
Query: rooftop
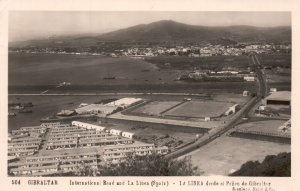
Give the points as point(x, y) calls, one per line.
point(280, 95)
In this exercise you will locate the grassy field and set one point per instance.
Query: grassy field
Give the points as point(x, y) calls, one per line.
point(269, 126)
point(155, 108)
point(200, 109)
point(228, 153)
point(274, 60)
point(278, 70)
point(190, 63)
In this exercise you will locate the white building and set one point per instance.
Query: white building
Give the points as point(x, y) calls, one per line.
point(249, 78)
point(127, 134)
point(272, 90)
point(96, 109)
point(245, 93)
point(115, 132)
point(87, 126)
point(231, 110)
point(207, 119)
point(49, 125)
point(116, 154)
point(124, 102)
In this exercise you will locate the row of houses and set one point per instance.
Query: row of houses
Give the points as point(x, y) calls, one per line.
point(113, 147)
point(100, 128)
point(119, 153)
point(25, 141)
point(86, 135)
point(47, 165)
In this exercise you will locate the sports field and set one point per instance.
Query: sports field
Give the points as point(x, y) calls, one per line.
point(155, 108)
point(199, 109)
point(269, 126)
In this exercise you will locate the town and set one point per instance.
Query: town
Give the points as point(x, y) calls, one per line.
point(191, 51)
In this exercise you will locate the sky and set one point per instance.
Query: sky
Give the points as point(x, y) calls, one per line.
point(27, 25)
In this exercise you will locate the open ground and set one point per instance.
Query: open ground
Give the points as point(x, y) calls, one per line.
point(226, 154)
point(268, 126)
point(199, 109)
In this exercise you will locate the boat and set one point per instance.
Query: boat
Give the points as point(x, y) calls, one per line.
point(109, 78)
point(25, 111)
point(12, 115)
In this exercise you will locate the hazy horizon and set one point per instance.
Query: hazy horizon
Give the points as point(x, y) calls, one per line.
point(29, 25)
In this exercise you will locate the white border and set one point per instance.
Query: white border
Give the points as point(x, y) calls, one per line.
point(280, 184)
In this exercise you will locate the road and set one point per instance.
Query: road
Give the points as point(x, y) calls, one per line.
point(221, 130)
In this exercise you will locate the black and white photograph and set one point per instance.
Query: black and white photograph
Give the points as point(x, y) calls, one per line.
point(153, 95)
point(149, 93)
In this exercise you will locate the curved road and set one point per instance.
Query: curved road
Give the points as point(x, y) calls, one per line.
point(217, 132)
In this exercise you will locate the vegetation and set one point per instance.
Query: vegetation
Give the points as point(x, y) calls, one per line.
point(149, 165)
point(272, 165)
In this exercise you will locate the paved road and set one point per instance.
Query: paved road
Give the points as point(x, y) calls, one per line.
point(217, 132)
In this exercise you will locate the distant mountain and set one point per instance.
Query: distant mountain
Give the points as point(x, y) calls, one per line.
point(167, 31)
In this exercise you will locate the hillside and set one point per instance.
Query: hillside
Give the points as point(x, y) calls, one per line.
point(279, 165)
point(172, 31)
point(166, 32)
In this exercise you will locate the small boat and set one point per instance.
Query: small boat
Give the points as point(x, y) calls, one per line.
point(12, 115)
point(25, 111)
point(109, 78)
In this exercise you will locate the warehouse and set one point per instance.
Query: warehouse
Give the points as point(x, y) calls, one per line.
point(96, 109)
point(278, 98)
point(125, 102)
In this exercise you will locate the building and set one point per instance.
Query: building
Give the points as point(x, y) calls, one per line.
point(116, 154)
point(125, 102)
point(87, 126)
point(278, 98)
point(231, 110)
point(262, 107)
point(207, 119)
point(272, 90)
point(249, 78)
point(245, 93)
point(66, 113)
point(47, 165)
point(96, 109)
point(49, 125)
point(115, 132)
point(127, 134)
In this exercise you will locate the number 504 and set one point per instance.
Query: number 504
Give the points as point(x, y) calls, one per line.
point(16, 182)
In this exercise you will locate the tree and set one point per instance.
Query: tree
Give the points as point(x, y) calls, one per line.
point(85, 170)
point(272, 165)
point(150, 165)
